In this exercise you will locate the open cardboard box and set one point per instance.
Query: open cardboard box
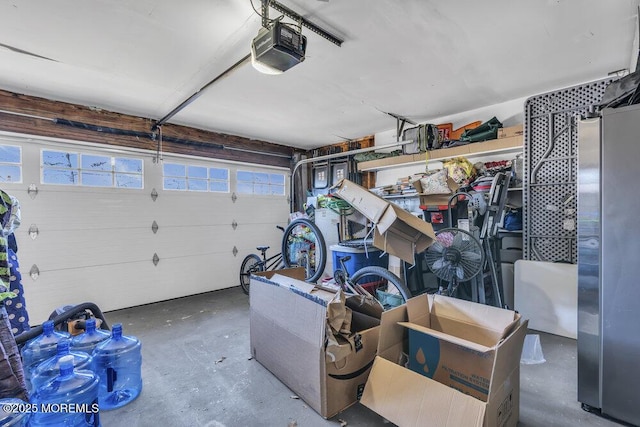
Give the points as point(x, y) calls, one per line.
point(464, 364)
point(287, 334)
point(397, 231)
point(436, 199)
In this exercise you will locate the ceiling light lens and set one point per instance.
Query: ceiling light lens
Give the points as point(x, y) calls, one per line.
point(263, 68)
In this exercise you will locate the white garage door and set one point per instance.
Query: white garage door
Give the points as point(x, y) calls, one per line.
point(96, 243)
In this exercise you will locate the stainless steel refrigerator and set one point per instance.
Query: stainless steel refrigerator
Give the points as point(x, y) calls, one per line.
point(609, 263)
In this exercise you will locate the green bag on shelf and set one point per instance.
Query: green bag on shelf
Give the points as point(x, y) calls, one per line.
point(486, 131)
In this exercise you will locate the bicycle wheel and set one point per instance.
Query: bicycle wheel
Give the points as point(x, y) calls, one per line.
point(250, 264)
point(303, 246)
point(383, 285)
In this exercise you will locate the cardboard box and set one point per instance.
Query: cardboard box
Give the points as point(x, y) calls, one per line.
point(287, 334)
point(469, 364)
point(436, 199)
point(510, 131)
point(397, 231)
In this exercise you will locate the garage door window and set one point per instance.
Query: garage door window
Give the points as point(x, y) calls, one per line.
point(10, 164)
point(195, 178)
point(128, 172)
point(260, 183)
point(68, 168)
point(219, 180)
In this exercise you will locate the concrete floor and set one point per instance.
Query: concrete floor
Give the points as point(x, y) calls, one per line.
point(197, 371)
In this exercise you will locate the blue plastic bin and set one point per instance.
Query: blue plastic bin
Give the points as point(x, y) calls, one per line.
point(359, 257)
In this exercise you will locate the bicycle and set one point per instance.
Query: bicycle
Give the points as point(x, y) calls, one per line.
point(373, 281)
point(252, 263)
point(302, 246)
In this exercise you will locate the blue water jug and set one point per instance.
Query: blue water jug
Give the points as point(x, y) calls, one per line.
point(90, 338)
point(40, 348)
point(50, 368)
point(70, 399)
point(118, 363)
point(14, 412)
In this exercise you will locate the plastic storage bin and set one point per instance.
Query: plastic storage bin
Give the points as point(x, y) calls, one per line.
point(118, 363)
point(359, 257)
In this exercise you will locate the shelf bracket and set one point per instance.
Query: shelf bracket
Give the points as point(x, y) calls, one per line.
point(400, 122)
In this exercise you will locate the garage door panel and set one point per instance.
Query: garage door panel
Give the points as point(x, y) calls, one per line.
point(197, 208)
point(97, 245)
point(81, 211)
point(247, 240)
point(172, 221)
point(210, 241)
point(262, 210)
point(54, 250)
point(216, 211)
point(71, 249)
point(115, 287)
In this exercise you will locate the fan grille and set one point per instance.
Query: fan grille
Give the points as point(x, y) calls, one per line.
point(455, 255)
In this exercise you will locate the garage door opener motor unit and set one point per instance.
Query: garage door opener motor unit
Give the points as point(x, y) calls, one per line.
point(279, 47)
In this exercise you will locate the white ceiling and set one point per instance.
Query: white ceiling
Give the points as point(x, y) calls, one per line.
point(422, 59)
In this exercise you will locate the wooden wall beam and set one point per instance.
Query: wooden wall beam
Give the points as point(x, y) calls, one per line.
point(38, 115)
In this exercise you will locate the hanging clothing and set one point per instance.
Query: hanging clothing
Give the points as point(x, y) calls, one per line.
point(6, 207)
point(16, 307)
point(12, 382)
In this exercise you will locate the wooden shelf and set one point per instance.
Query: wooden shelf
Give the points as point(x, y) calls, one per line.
point(495, 146)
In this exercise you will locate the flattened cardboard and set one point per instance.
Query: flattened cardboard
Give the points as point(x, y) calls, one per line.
point(287, 336)
point(407, 408)
point(397, 231)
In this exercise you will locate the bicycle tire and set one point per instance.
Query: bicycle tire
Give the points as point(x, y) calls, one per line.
point(250, 264)
point(398, 285)
point(297, 238)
